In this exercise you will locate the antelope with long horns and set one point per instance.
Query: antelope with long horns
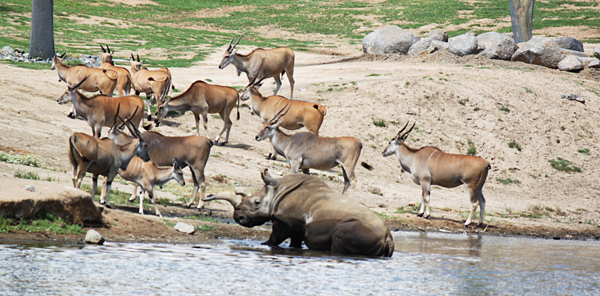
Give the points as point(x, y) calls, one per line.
point(123, 76)
point(103, 80)
point(147, 175)
point(101, 110)
point(103, 157)
point(300, 114)
point(430, 166)
point(262, 63)
point(202, 98)
point(307, 150)
point(155, 83)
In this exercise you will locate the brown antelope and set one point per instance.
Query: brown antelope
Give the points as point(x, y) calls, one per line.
point(202, 98)
point(192, 151)
point(147, 175)
point(103, 157)
point(103, 80)
point(430, 166)
point(157, 82)
point(262, 63)
point(123, 76)
point(101, 110)
point(307, 150)
point(309, 115)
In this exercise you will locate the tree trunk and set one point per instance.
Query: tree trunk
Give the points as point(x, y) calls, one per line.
point(41, 41)
point(521, 16)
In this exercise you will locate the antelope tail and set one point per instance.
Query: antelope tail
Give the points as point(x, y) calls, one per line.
point(366, 166)
point(321, 109)
point(238, 107)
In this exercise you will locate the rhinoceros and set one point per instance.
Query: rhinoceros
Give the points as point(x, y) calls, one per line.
point(304, 209)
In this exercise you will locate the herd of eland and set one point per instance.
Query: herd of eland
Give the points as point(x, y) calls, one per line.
point(301, 207)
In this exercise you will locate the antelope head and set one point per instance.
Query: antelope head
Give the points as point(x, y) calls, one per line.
point(397, 141)
point(177, 172)
point(252, 89)
point(163, 110)
point(70, 95)
point(55, 58)
point(107, 55)
point(269, 128)
point(137, 65)
point(142, 148)
point(229, 53)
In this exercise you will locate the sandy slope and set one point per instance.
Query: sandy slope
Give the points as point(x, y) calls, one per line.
point(439, 92)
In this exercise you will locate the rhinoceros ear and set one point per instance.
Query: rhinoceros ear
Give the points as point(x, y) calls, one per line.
point(268, 179)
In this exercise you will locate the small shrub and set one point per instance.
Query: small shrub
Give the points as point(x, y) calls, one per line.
point(164, 201)
point(476, 109)
point(26, 159)
point(373, 75)
point(585, 151)
point(504, 108)
point(463, 101)
point(379, 123)
point(411, 209)
point(563, 165)
point(513, 144)
point(508, 181)
point(376, 191)
point(472, 150)
point(27, 175)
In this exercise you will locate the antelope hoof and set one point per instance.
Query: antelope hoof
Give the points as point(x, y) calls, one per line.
point(420, 215)
point(131, 199)
point(108, 206)
point(149, 117)
point(71, 115)
point(221, 144)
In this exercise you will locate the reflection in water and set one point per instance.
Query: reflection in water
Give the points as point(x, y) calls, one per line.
point(424, 263)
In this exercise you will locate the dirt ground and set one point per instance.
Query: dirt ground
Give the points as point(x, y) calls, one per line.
point(453, 100)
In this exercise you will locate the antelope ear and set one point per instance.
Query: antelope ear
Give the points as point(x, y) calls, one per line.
point(270, 181)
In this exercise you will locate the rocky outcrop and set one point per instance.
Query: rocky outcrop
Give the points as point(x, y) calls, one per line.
point(569, 43)
point(391, 39)
point(571, 64)
point(425, 43)
point(497, 46)
point(463, 45)
point(70, 204)
point(539, 51)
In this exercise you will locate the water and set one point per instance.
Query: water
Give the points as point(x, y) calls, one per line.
point(427, 264)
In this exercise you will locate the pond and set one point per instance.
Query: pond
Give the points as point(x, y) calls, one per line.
point(424, 263)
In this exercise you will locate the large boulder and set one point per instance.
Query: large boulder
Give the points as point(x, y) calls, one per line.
point(571, 64)
point(94, 237)
point(437, 45)
point(497, 46)
point(569, 43)
point(595, 63)
point(539, 51)
point(425, 43)
point(391, 39)
point(438, 35)
point(463, 45)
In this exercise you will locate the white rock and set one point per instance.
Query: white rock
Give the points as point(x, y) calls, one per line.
point(94, 237)
point(185, 228)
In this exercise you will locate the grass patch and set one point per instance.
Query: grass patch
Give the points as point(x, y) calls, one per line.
point(379, 123)
point(384, 216)
point(373, 75)
point(27, 175)
point(563, 165)
point(116, 196)
point(472, 150)
point(202, 217)
point(504, 108)
point(585, 151)
point(513, 144)
point(27, 159)
point(508, 181)
point(410, 209)
point(46, 222)
point(206, 227)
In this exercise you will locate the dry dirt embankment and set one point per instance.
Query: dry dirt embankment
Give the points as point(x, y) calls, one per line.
point(454, 101)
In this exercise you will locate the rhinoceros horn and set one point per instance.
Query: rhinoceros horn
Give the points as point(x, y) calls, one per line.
point(268, 179)
point(234, 200)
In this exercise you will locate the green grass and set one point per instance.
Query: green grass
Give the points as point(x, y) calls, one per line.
point(472, 150)
point(585, 151)
point(379, 123)
point(563, 165)
point(202, 217)
point(27, 175)
point(206, 227)
point(504, 109)
point(46, 222)
point(409, 209)
point(384, 216)
point(513, 144)
point(116, 196)
point(27, 159)
point(508, 181)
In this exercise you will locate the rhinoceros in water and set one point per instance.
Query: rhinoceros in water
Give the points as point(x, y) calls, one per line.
point(305, 209)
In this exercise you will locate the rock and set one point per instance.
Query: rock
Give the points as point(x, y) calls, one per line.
point(571, 64)
point(19, 51)
point(419, 46)
point(573, 52)
point(438, 35)
point(185, 228)
point(437, 45)
point(391, 39)
point(463, 45)
point(7, 50)
point(597, 52)
point(30, 188)
point(595, 63)
point(94, 237)
point(586, 61)
point(497, 46)
point(573, 97)
point(569, 43)
point(539, 51)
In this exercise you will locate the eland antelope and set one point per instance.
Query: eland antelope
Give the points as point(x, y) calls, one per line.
point(123, 76)
point(430, 166)
point(157, 82)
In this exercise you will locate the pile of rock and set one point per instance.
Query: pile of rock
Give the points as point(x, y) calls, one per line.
point(19, 55)
point(564, 53)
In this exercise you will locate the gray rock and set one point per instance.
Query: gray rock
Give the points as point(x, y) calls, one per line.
point(585, 61)
point(30, 188)
point(391, 39)
point(463, 45)
point(93, 237)
point(185, 228)
point(597, 51)
point(569, 43)
point(437, 45)
point(573, 97)
point(497, 46)
point(573, 52)
point(539, 51)
point(571, 64)
point(595, 63)
point(419, 46)
point(438, 35)
point(7, 50)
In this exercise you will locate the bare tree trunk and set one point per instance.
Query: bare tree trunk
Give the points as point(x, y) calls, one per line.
point(41, 41)
point(521, 16)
